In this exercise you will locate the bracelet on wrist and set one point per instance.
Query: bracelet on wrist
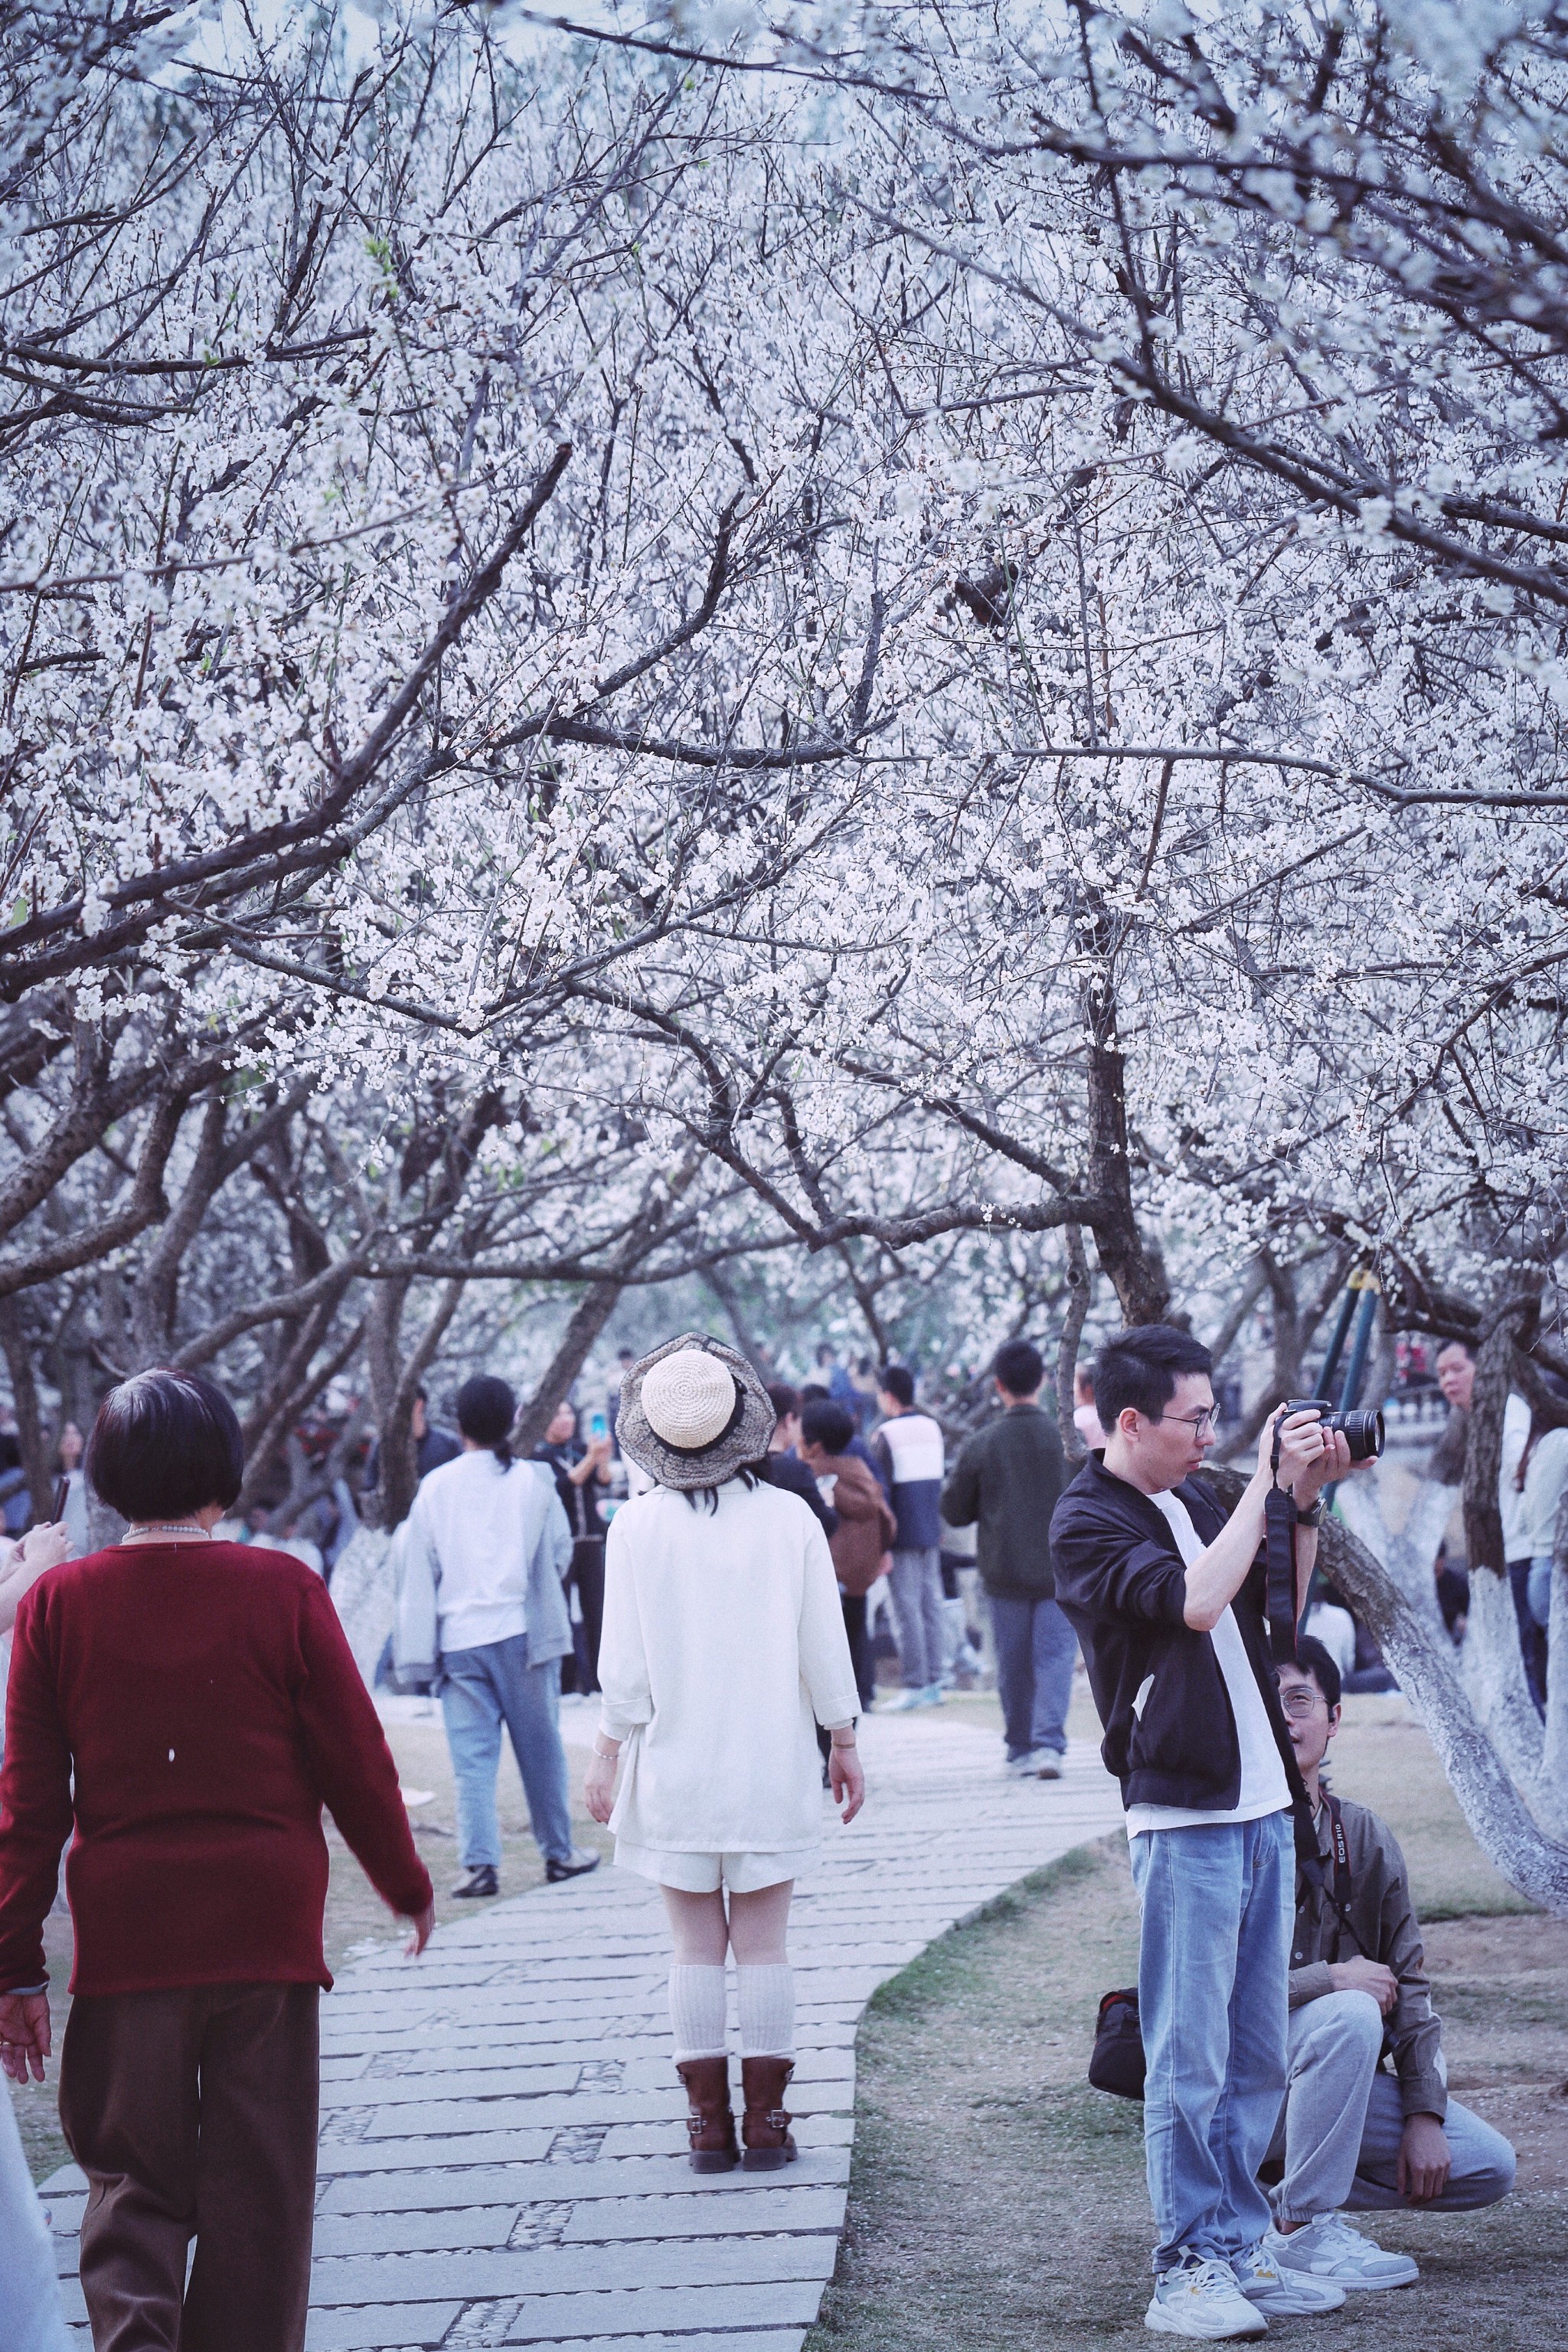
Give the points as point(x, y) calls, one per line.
point(608, 1755)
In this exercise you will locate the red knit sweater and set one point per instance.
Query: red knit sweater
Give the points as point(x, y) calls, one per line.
point(207, 1702)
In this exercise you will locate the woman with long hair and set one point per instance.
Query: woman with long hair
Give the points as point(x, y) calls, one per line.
point(180, 1709)
point(723, 1648)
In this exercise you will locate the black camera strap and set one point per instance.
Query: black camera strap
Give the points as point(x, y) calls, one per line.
point(1333, 1877)
point(1279, 1517)
point(1341, 1897)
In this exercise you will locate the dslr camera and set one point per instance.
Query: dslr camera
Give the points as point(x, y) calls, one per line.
point(1363, 1431)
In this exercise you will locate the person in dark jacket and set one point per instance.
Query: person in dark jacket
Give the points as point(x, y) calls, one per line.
point(181, 1710)
point(862, 1539)
point(1351, 2135)
point(1008, 1476)
point(432, 1444)
point(784, 1465)
point(578, 1471)
point(1166, 1593)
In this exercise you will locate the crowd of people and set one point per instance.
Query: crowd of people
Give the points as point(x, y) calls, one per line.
point(701, 1556)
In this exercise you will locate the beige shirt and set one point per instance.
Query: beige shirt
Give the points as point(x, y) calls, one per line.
point(723, 1647)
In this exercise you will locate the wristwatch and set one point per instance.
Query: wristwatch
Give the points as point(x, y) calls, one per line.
point(1311, 1518)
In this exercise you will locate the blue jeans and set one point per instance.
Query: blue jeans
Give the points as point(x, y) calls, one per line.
point(1036, 1651)
point(1532, 1630)
point(914, 1588)
point(1219, 1903)
point(485, 1688)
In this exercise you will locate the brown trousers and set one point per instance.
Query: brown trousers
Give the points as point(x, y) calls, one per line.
point(193, 2113)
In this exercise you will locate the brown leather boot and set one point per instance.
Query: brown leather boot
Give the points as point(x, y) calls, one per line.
point(711, 2125)
point(765, 2127)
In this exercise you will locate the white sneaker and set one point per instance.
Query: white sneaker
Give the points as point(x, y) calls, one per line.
point(1047, 1764)
point(932, 1695)
point(1288, 2294)
point(1023, 1767)
point(1203, 2299)
point(902, 1704)
point(1329, 2249)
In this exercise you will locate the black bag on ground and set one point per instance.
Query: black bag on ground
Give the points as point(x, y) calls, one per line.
point(1116, 2062)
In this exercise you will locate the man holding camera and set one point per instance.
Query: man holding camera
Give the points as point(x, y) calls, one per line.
point(1167, 1595)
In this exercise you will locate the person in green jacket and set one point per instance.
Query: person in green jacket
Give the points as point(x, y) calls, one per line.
point(1008, 1476)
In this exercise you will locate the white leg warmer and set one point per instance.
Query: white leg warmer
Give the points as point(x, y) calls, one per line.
point(766, 1999)
point(697, 2011)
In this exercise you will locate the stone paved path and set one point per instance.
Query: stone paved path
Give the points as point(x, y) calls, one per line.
point(501, 2139)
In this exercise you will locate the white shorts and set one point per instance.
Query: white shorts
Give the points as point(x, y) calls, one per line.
point(704, 1874)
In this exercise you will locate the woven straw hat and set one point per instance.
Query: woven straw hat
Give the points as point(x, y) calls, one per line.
point(692, 1413)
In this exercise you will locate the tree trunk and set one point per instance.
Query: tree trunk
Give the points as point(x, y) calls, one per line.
point(1410, 1557)
point(1068, 1346)
point(1483, 1449)
point(1533, 1861)
point(1493, 1669)
point(723, 1291)
point(1554, 1748)
point(18, 1353)
point(593, 1311)
point(1136, 1274)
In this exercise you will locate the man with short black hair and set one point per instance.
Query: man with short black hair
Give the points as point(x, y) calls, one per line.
point(1167, 1595)
point(1008, 1476)
point(908, 1445)
point(785, 1468)
point(1351, 2135)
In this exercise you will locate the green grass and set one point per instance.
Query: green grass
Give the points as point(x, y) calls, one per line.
point(997, 2202)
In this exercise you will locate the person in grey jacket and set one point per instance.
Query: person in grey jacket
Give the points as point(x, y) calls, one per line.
point(1008, 1478)
point(1352, 2134)
point(483, 1616)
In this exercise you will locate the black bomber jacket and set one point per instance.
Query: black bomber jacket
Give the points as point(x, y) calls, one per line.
point(1170, 1729)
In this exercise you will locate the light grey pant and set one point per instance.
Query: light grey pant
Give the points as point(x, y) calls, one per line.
point(1342, 2123)
point(914, 1584)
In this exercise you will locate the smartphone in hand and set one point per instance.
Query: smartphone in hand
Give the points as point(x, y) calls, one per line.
point(62, 1489)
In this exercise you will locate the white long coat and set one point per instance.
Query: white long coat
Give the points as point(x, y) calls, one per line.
point(723, 1647)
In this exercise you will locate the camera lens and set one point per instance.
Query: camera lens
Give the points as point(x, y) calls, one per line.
point(1363, 1433)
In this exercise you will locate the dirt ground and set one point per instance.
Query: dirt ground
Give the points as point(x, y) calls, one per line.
point(998, 2201)
point(357, 1920)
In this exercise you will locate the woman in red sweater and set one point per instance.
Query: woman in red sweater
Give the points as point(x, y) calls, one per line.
point(188, 1707)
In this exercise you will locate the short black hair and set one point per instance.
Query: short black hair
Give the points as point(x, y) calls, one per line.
point(1019, 1366)
point(1141, 1368)
point(825, 1424)
point(898, 1381)
point(486, 1410)
point(165, 1443)
point(782, 1399)
point(1315, 1660)
point(812, 1392)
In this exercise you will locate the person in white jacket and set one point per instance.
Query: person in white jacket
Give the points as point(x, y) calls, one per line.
point(723, 1647)
point(481, 1612)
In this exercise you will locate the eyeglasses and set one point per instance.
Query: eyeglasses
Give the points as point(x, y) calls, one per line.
point(1200, 1424)
point(1302, 1703)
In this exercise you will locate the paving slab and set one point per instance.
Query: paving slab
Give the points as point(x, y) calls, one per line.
point(502, 2156)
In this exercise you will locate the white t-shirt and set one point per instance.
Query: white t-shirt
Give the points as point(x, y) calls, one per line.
point(482, 1524)
point(1263, 1788)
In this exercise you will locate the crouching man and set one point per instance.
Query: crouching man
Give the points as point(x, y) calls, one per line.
point(1352, 2134)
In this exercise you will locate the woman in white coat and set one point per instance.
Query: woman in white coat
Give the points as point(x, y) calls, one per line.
point(723, 1647)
